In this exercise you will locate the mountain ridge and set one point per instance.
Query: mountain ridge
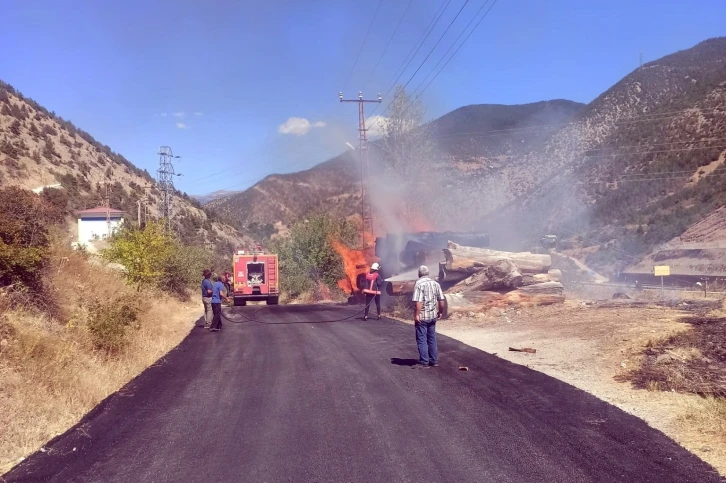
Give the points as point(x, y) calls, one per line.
point(577, 174)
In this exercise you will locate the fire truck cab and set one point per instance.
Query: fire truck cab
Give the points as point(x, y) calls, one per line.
point(255, 277)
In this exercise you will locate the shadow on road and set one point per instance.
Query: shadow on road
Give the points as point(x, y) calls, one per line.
point(403, 362)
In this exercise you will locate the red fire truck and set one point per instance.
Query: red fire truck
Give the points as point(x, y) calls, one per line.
point(255, 277)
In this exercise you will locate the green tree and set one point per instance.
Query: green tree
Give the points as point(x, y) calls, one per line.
point(409, 153)
point(308, 256)
point(144, 253)
point(155, 257)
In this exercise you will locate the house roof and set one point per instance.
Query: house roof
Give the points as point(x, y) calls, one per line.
point(98, 211)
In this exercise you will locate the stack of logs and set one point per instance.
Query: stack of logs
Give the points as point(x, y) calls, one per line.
point(478, 279)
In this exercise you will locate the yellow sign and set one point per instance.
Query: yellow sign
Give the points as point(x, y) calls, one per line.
point(661, 270)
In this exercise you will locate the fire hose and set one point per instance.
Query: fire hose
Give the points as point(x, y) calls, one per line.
point(253, 319)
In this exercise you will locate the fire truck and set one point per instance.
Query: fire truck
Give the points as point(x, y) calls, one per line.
point(255, 277)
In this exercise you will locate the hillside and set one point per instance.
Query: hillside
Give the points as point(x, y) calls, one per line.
point(629, 171)
point(334, 186)
point(214, 195)
point(39, 148)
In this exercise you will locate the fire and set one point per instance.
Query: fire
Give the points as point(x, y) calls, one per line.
point(354, 262)
point(417, 223)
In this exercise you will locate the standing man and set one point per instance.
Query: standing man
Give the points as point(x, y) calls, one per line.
point(207, 297)
point(227, 282)
point(374, 285)
point(219, 293)
point(429, 300)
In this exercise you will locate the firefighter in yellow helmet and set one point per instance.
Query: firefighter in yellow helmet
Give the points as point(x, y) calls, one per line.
point(374, 285)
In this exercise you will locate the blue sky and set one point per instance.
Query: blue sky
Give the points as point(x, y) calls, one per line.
point(215, 80)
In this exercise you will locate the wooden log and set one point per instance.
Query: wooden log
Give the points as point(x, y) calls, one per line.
point(501, 275)
point(472, 260)
point(555, 274)
point(545, 288)
point(523, 349)
point(533, 278)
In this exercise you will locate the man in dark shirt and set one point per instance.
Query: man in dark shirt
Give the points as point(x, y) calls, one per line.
point(207, 298)
point(219, 293)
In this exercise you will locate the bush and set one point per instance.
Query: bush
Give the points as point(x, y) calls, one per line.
point(184, 267)
point(154, 257)
point(108, 322)
point(24, 221)
point(307, 256)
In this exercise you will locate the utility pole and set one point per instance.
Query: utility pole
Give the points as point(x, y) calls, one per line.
point(106, 203)
point(365, 210)
point(142, 204)
point(108, 210)
point(165, 181)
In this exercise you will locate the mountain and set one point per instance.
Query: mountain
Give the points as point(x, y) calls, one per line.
point(214, 195)
point(334, 186)
point(615, 178)
point(39, 148)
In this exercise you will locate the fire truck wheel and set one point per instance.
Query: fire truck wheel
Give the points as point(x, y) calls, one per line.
point(239, 302)
point(273, 300)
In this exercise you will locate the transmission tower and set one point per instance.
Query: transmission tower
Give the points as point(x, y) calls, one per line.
point(366, 212)
point(165, 182)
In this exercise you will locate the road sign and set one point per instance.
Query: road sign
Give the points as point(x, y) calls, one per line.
point(661, 270)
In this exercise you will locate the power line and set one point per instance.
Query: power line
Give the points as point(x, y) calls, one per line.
point(632, 153)
point(452, 45)
point(415, 50)
point(419, 42)
point(365, 39)
point(388, 44)
point(546, 127)
point(437, 43)
point(458, 48)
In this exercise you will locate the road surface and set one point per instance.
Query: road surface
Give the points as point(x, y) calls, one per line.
point(287, 400)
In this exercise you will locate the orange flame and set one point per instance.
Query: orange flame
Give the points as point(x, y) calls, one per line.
point(354, 263)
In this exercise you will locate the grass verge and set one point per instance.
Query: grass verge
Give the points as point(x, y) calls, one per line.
point(53, 370)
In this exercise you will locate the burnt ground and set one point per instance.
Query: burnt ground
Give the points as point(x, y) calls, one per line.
point(690, 361)
point(297, 396)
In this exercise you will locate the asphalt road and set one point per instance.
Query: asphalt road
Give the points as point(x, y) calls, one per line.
point(289, 400)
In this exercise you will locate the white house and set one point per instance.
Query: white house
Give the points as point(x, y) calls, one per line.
point(92, 223)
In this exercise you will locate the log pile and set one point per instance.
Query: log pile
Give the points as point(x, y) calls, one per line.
point(481, 279)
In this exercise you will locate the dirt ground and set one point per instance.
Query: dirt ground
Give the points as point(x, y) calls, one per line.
point(588, 345)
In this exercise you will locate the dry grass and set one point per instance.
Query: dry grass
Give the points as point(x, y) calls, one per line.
point(50, 372)
point(692, 361)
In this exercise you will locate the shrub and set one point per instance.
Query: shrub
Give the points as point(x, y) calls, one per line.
point(15, 127)
point(50, 130)
point(307, 256)
point(183, 268)
point(49, 151)
point(108, 322)
point(24, 221)
point(144, 253)
point(154, 257)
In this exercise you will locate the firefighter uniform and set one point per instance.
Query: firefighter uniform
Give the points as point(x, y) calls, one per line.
point(374, 285)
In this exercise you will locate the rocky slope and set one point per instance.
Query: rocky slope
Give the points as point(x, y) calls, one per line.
point(39, 148)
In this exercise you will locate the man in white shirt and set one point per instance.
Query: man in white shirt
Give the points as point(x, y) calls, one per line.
point(429, 300)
